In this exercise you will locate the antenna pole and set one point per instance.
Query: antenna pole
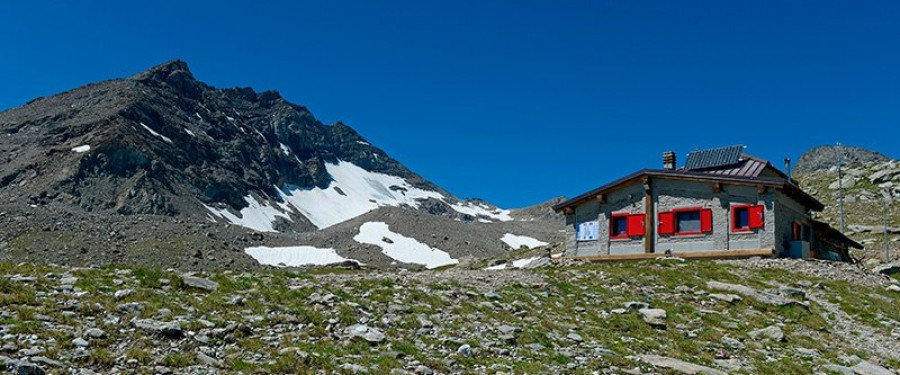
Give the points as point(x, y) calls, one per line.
point(887, 248)
point(840, 187)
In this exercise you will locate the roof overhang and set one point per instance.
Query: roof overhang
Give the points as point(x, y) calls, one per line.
point(774, 182)
point(836, 234)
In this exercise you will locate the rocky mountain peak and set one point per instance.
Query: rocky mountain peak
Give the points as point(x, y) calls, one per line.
point(825, 157)
point(163, 143)
point(174, 75)
point(162, 71)
point(269, 97)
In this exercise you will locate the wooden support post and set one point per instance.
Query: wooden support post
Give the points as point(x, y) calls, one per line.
point(601, 198)
point(649, 219)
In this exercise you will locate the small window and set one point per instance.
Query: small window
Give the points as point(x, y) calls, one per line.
point(687, 222)
point(618, 227)
point(624, 225)
point(745, 218)
point(800, 232)
point(740, 219)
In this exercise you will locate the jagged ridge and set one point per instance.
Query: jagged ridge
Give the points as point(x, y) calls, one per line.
point(161, 140)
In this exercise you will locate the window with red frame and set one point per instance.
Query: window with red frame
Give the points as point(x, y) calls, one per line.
point(745, 218)
point(800, 232)
point(618, 226)
point(740, 219)
point(625, 225)
point(685, 221)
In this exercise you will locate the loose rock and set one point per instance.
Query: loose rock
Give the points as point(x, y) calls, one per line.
point(169, 330)
point(869, 368)
point(654, 317)
point(80, 342)
point(767, 298)
point(730, 298)
point(773, 333)
point(200, 283)
point(679, 365)
point(364, 332)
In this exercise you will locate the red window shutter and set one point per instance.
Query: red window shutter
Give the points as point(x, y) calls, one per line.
point(706, 221)
point(636, 225)
point(666, 222)
point(756, 216)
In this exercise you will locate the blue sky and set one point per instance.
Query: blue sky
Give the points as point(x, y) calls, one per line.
point(511, 101)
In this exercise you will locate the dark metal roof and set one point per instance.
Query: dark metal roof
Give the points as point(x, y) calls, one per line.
point(714, 157)
point(748, 166)
point(744, 168)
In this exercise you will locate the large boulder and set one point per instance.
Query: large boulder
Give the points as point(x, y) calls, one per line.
point(869, 368)
point(888, 269)
point(364, 332)
point(679, 365)
point(848, 182)
point(884, 175)
point(654, 317)
point(746, 291)
point(169, 330)
point(200, 283)
point(773, 333)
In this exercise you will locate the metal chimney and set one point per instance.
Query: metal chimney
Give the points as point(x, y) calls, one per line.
point(787, 167)
point(669, 160)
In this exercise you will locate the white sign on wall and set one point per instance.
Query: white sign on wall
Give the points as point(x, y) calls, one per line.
point(587, 231)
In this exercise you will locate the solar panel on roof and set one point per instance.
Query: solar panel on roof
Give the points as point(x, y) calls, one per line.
point(715, 157)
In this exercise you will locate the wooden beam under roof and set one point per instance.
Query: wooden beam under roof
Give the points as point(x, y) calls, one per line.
point(712, 254)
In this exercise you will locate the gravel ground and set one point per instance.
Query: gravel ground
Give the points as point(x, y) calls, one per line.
point(648, 317)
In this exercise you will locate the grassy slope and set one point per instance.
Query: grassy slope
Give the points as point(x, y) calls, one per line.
point(570, 299)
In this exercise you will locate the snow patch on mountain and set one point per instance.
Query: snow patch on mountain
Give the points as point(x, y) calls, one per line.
point(518, 263)
point(481, 210)
point(515, 241)
point(295, 256)
point(402, 248)
point(353, 191)
point(167, 139)
point(82, 148)
point(258, 216)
